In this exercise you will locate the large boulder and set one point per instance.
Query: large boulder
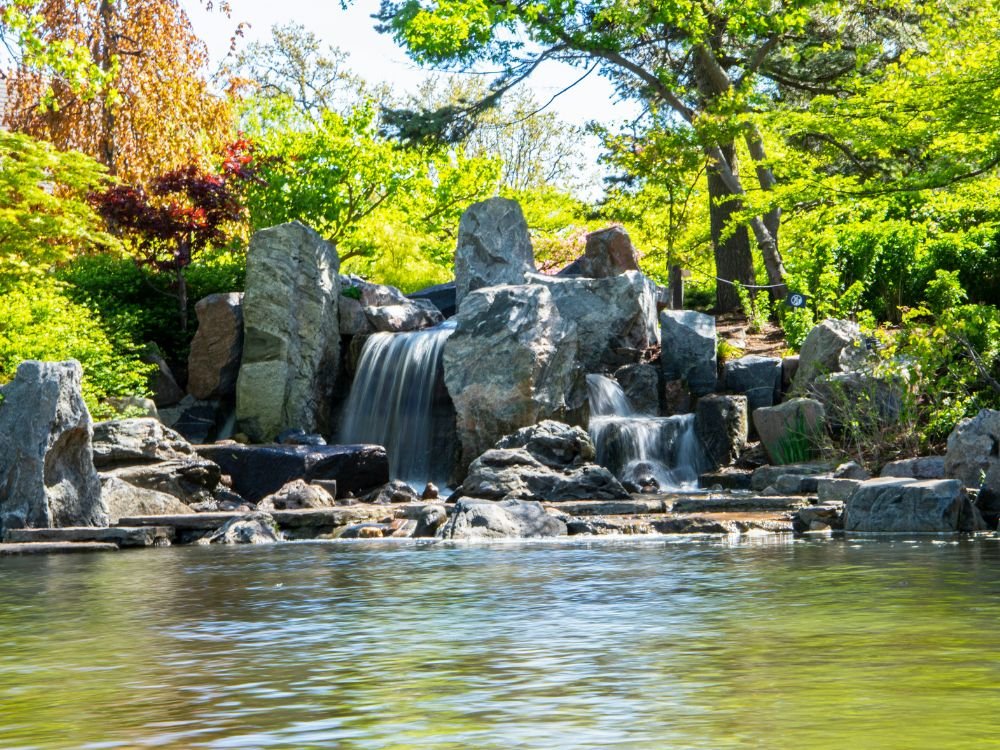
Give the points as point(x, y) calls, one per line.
point(291, 345)
point(689, 349)
point(295, 495)
point(191, 480)
point(121, 442)
point(515, 472)
point(476, 519)
point(411, 315)
point(822, 349)
point(721, 425)
point(609, 252)
point(758, 378)
point(217, 347)
point(493, 248)
point(974, 448)
point(555, 444)
point(126, 500)
point(47, 474)
point(910, 505)
point(260, 470)
point(791, 432)
point(510, 363)
point(615, 316)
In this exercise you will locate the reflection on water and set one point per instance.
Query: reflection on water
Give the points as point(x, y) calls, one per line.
point(644, 644)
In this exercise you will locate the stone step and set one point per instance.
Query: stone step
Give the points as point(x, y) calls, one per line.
point(738, 504)
point(682, 523)
point(122, 536)
point(727, 480)
point(48, 548)
point(633, 506)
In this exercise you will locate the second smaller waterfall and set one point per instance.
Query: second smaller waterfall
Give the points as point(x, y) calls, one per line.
point(644, 452)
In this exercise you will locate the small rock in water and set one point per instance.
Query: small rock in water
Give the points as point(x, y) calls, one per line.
point(253, 528)
point(430, 492)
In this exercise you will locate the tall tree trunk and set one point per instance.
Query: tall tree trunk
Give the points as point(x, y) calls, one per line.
point(733, 255)
point(104, 57)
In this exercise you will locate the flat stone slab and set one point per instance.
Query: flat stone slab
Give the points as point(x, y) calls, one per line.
point(634, 506)
point(121, 536)
point(49, 548)
point(286, 519)
point(681, 523)
point(736, 504)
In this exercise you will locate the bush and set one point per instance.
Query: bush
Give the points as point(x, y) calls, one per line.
point(42, 322)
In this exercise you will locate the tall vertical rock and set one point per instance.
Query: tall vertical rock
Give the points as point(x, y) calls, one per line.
point(47, 474)
point(493, 247)
point(217, 346)
point(291, 344)
point(510, 363)
point(689, 349)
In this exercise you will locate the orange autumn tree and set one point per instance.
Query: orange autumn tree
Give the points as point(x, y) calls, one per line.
point(156, 113)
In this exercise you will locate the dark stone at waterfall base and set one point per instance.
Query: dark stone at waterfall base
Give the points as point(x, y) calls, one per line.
point(260, 470)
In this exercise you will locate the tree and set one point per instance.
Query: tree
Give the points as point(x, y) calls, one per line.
point(184, 211)
point(45, 217)
point(156, 111)
point(707, 66)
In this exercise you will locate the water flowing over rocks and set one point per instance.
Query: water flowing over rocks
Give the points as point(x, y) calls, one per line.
point(510, 363)
point(142, 440)
point(483, 519)
point(974, 448)
point(292, 332)
point(791, 431)
point(689, 349)
point(822, 349)
point(217, 347)
point(615, 316)
point(47, 474)
point(494, 247)
point(908, 505)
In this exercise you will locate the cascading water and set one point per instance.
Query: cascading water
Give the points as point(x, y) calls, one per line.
point(398, 400)
point(643, 451)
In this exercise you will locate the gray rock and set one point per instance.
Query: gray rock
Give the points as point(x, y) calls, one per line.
point(514, 472)
point(510, 363)
point(217, 347)
point(820, 353)
point(826, 517)
point(291, 345)
point(641, 384)
point(411, 315)
point(494, 247)
point(689, 349)
point(136, 441)
point(767, 476)
point(475, 519)
point(431, 518)
point(836, 490)
point(134, 406)
point(555, 444)
point(796, 484)
point(191, 480)
point(353, 320)
point(851, 470)
point(615, 317)
point(125, 500)
point(369, 294)
point(197, 421)
point(295, 495)
point(859, 398)
point(791, 432)
point(721, 425)
point(298, 436)
point(609, 252)
point(47, 474)
point(974, 448)
point(442, 296)
point(924, 467)
point(758, 378)
point(166, 392)
point(789, 366)
point(908, 505)
point(392, 492)
point(989, 497)
point(253, 528)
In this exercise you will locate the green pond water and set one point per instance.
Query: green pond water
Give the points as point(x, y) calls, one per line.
point(679, 643)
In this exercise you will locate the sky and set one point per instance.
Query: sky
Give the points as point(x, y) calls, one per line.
point(376, 58)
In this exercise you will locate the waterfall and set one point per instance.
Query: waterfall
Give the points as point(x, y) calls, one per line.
point(643, 451)
point(398, 400)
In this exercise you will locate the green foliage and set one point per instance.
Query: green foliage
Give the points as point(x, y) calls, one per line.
point(756, 307)
point(45, 217)
point(945, 291)
point(41, 321)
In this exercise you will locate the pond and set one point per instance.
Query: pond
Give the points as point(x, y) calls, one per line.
point(648, 643)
